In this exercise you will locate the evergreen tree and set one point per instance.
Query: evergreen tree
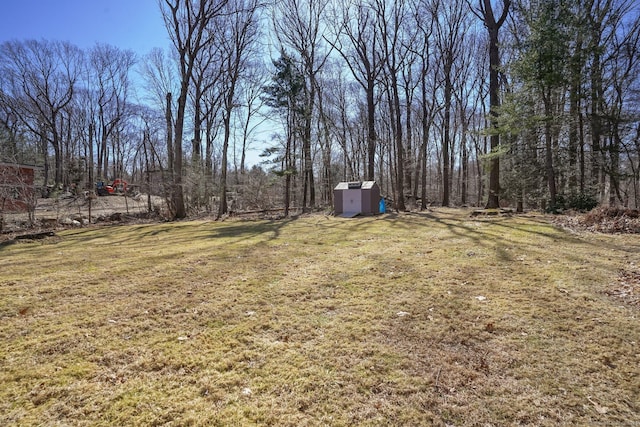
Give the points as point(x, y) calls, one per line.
point(285, 95)
point(540, 72)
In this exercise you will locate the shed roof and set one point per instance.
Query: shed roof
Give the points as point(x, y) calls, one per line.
point(364, 185)
point(342, 186)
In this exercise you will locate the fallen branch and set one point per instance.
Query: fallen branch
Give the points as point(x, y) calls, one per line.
point(35, 236)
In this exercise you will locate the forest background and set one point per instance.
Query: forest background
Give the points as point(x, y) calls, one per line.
point(531, 104)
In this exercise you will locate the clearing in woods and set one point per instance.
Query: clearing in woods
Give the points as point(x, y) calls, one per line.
point(434, 318)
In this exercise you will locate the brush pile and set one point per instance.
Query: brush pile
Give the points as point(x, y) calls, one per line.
point(611, 220)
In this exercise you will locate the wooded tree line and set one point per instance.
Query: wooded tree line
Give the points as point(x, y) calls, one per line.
point(532, 103)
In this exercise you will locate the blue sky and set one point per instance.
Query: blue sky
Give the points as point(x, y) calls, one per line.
point(127, 24)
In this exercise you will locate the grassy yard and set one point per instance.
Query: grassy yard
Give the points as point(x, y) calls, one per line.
point(434, 318)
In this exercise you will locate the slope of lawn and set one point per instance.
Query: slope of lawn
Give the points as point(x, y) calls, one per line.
point(434, 318)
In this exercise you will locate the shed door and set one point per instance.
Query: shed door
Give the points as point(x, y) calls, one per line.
point(352, 201)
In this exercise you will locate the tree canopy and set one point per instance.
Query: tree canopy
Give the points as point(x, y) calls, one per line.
point(533, 104)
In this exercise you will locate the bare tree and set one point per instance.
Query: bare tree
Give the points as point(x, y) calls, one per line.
point(188, 25)
point(356, 25)
point(10, 126)
point(249, 116)
point(42, 81)
point(624, 66)
point(393, 50)
point(110, 83)
point(237, 41)
point(486, 13)
point(425, 22)
point(159, 77)
point(205, 97)
point(451, 24)
point(298, 25)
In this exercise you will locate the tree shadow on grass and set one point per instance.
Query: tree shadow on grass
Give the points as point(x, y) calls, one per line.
point(505, 233)
point(177, 233)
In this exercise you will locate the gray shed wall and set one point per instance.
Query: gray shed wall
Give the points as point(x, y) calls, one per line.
point(337, 201)
point(371, 200)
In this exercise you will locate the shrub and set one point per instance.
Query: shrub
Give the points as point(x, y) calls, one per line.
point(581, 202)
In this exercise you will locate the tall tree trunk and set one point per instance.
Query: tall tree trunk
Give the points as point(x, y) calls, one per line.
point(596, 122)
point(57, 153)
point(574, 113)
point(169, 135)
point(44, 147)
point(551, 177)
point(178, 191)
point(196, 151)
point(371, 130)
point(614, 173)
point(423, 172)
point(103, 155)
point(223, 207)
point(465, 165)
point(493, 28)
point(408, 158)
point(426, 122)
point(146, 141)
point(288, 164)
point(446, 142)
point(397, 117)
point(91, 183)
point(308, 179)
point(208, 162)
point(582, 153)
point(309, 184)
point(494, 101)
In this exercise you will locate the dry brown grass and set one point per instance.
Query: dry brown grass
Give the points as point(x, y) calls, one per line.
point(416, 319)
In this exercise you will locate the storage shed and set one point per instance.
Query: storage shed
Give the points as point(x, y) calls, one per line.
point(356, 198)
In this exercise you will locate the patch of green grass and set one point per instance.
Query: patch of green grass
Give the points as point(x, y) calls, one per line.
point(412, 319)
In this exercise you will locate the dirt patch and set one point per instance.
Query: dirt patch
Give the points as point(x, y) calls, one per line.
point(48, 208)
point(69, 212)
